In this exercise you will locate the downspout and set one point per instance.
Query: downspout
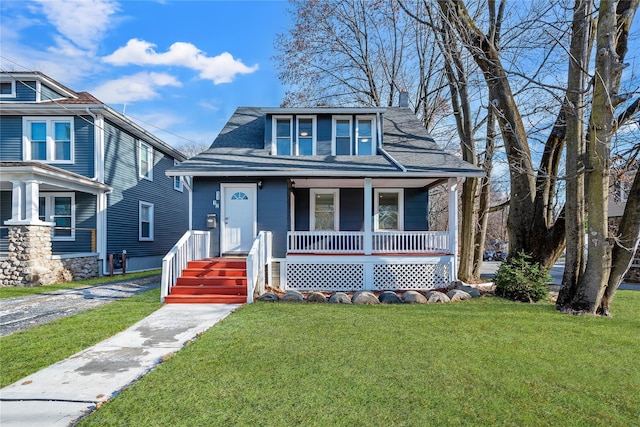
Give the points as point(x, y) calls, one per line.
point(384, 152)
point(101, 198)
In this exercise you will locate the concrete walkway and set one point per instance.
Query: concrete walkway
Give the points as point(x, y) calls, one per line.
point(68, 390)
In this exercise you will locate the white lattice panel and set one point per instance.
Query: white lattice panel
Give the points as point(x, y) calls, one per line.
point(410, 276)
point(325, 277)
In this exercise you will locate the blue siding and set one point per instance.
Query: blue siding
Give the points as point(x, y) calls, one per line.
point(5, 206)
point(301, 197)
point(86, 220)
point(25, 92)
point(351, 209)
point(273, 213)
point(323, 138)
point(204, 193)
point(416, 201)
point(170, 206)
point(10, 138)
point(47, 94)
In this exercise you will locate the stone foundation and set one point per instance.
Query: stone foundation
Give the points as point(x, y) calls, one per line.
point(30, 262)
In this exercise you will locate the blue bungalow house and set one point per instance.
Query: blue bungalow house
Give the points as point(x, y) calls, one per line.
point(324, 199)
point(80, 182)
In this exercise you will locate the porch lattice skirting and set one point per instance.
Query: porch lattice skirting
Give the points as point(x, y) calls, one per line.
point(371, 275)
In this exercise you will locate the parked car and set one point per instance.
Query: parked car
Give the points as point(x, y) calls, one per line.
point(488, 255)
point(500, 256)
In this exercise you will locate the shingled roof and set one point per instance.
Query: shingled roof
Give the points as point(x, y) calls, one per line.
point(239, 150)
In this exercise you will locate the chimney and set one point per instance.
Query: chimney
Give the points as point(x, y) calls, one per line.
point(403, 102)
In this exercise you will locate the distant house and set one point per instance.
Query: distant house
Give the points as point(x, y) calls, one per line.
point(618, 194)
point(343, 192)
point(79, 182)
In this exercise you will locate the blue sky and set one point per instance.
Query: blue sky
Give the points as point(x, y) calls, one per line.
point(180, 66)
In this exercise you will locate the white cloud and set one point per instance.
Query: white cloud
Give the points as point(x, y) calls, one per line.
point(219, 69)
point(81, 22)
point(137, 87)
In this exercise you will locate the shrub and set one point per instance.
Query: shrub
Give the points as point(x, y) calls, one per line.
point(521, 279)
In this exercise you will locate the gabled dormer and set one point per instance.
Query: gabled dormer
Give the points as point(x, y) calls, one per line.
point(32, 87)
point(323, 131)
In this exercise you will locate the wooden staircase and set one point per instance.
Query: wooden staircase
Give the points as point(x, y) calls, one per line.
point(211, 281)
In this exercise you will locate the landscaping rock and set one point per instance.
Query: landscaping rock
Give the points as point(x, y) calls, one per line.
point(339, 298)
point(458, 295)
point(316, 297)
point(269, 297)
point(388, 297)
point(413, 297)
point(437, 296)
point(292, 296)
point(364, 297)
point(474, 292)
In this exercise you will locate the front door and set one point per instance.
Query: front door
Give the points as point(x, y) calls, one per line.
point(239, 217)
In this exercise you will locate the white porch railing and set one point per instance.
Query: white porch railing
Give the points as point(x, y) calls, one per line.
point(259, 258)
point(353, 242)
point(194, 244)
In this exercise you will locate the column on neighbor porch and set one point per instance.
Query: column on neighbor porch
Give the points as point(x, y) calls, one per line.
point(25, 202)
point(453, 225)
point(368, 233)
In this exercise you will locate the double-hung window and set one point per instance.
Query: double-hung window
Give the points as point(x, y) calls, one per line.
point(365, 136)
point(342, 140)
point(389, 208)
point(145, 221)
point(8, 89)
point(306, 136)
point(59, 208)
point(282, 135)
point(324, 209)
point(48, 139)
point(145, 163)
point(177, 180)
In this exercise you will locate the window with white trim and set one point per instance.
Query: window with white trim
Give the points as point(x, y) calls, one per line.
point(60, 209)
point(177, 180)
point(389, 209)
point(145, 162)
point(342, 131)
point(145, 221)
point(306, 136)
point(48, 139)
point(8, 89)
point(365, 136)
point(282, 135)
point(324, 209)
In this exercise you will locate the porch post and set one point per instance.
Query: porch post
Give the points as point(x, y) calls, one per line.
point(368, 208)
point(32, 201)
point(453, 226)
point(17, 201)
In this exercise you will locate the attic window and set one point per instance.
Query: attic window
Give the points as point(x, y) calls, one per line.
point(283, 132)
point(8, 89)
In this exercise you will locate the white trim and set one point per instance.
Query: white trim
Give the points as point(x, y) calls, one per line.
point(323, 110)
point(151, 221)
point(224, 187)
point(314, 133)
point(453, 224)
point(274, 135)
point(372, 136)
point(336, 206)
point(38, 90)
point(50, 146)
point(148, 175)
point(49, 214)
point(98, 130)
point(376, 203)
point(75, 255)
point(13, 89)
point(101, 227)
point(334, 120)
point(177, 185)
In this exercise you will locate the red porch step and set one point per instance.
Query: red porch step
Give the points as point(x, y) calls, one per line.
point(211, 281)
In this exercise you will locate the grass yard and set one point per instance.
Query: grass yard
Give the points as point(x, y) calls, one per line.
point(26, 352)
point(483, 362)
point(20, 291)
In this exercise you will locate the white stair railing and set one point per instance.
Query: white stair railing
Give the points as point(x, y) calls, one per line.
point(259, 264)
point(194, 244)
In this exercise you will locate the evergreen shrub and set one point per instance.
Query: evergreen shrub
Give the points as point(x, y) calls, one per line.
point(521, 279)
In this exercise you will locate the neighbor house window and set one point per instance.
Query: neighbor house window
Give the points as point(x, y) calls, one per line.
point(389, 209)
point(60, 209)
point(324, 210)
point(177, 181)
point(48, 139)
point(8, 89)
point(145, 165)
point(365, 136)
point(306, 136)
point(282, 135)
point(342, 131)
point(145, 221)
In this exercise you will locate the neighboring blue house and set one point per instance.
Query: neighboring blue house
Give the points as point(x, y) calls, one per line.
point(343, 191)
point(80, 181)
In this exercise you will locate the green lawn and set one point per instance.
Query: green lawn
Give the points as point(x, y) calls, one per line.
point(26, 352)
point(483, 362)
point(19, 291)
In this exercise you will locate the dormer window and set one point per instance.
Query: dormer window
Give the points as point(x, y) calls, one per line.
point(8, 89)
point(342, 136)
point(283, 129)
point(306, 136)
point(365, 135)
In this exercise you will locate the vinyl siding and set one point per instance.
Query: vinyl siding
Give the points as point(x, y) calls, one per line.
point(351, 209)
point(86, 220)
point(302, 203)
point(416, 201)
point(323, 141)
point(170, 206)
point(10, 138)
point(204, 193)
point(273, 208)
point(25, 92)
point(47, 94)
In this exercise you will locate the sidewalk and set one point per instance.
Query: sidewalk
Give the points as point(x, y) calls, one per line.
point(68, 390)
